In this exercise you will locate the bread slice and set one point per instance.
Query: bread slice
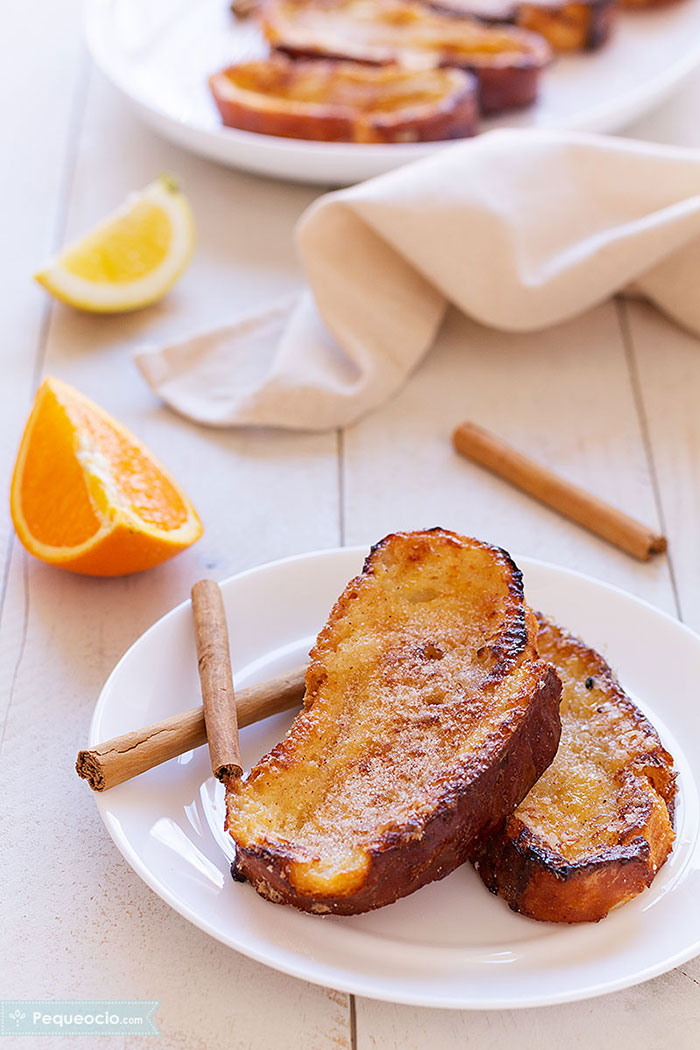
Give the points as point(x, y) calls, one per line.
point(505, 60)
point(648, 5)
point(427, 718)
point(597, 826)
point(346, 101)
point(570, 25)
point(566, 25)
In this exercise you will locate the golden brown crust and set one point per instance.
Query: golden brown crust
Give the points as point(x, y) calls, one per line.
point(582, 25)
point(566, 25)
point(346, 101)
point(507, 61)
point(647, 5)
point(243, 9)
point(427, 718)
point(596, 828)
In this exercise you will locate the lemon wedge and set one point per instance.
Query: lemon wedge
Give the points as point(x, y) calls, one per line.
point(131, 259)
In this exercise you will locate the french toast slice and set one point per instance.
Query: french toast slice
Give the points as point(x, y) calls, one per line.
point(346, 101)
point(598, 825)
point(647, 5)
point(427, 718)
point(566, 25)
point(506, 61)
point(570, 25)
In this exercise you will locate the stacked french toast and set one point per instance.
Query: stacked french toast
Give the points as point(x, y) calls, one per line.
point(393, 71)
point(445, 722)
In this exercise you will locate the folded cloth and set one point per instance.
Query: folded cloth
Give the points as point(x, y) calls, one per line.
point(519, 229)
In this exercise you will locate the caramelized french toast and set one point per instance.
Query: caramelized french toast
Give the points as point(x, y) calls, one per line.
point(346, 101)
point(647, 5)
point(597, 826)
point(566, 25)
point(427, 718)
point(506, 61)
point(569, 25)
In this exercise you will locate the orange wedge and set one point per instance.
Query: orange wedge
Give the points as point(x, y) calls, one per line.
point(88, 496)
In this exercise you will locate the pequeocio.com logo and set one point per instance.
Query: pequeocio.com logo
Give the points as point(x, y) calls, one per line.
point(78, 1017)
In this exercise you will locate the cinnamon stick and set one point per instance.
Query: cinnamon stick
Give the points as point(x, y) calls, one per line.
point(124, 757)
point(216, 679)
point(573, 502)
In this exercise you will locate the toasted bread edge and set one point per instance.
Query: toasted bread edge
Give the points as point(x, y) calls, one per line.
point(537, 881)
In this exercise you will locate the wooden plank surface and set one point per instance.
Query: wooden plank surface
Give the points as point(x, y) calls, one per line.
point(37, 158)
point(657, 1015)
point(667, 373)
point(90, 928)
point(563, 396)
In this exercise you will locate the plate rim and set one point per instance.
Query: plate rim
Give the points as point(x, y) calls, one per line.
point(358, 983)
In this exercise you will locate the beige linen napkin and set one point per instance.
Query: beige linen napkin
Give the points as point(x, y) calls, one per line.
point(519, 229)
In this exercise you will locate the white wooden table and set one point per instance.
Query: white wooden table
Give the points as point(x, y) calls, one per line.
point(610, 399)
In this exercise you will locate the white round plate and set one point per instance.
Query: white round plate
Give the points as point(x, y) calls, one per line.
point(451, 944)
point(160, 53)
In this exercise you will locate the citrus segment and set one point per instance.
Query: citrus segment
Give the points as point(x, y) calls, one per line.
point(124, 250)
point(129, 260)
point(120, 475)
point(72, 520)
point(89, 496)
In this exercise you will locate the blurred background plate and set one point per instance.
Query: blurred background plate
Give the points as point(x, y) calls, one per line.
point(159, 53)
